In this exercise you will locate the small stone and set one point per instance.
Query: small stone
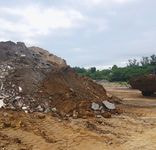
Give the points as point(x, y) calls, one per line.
point(23, 55)
point(17, 97)
point(40, 116)
point(109, 105)
point(50, 97)
point(109, 95)
point(1, 103)
point(98, 116)
point(1, 86)
point(54, 109)
point(24, 108)
point(20, 89)
point(95, 106)
point(13, 85)
point(75, 114)
point(19, 104)
point(99, 121)
point(9, 67)
point(110, 142)
point(26, 111)
point(47, 110)
point(71, 90)
point(39, 108)
point(106, 115)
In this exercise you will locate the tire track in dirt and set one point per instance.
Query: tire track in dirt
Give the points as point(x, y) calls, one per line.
point(32, 140)
point(49, 134)
point(145, 141)
point(72, 139)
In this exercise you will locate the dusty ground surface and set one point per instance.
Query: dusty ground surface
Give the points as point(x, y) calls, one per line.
point(134, 129)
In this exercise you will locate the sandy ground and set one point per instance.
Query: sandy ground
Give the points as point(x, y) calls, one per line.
point(134, 129)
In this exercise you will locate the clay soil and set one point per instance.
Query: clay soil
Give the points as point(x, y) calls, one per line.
point(134, 129)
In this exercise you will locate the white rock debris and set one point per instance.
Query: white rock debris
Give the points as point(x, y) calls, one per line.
point(109, 105)
point(20, 89)
point(1, 88)
point(24, 108)
point(95, 106)
point(54, 109)
point(1, 103)
point(23, 55)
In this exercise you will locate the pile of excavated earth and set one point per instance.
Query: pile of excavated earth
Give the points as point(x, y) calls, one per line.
point(33, 80)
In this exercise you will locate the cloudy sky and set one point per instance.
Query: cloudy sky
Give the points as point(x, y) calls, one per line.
point(84, 32)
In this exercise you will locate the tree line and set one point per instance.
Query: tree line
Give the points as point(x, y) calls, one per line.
point(147, 65)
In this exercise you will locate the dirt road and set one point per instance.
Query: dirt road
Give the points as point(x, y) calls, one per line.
point(144, 109)
point(134, 129)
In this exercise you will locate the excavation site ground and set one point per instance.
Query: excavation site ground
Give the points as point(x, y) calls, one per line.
point(46, 105)
point(134, 128)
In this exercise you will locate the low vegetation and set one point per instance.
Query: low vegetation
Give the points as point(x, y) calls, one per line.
point(146, 65)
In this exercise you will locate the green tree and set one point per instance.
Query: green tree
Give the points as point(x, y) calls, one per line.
point(132, 63)
point(145, 61)
point(148, 65)
point(93, 69)
point(153, 60)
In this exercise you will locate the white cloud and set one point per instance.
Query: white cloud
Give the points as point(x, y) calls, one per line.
point(100, 67)
point(105, 3)
point(35, 21)
point(122, 1)
point(101, 25)
point(77, 50)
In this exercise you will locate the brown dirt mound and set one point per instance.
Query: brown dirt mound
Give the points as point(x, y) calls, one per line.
point(34, 80)
point(69, 92)
point(144, 83)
